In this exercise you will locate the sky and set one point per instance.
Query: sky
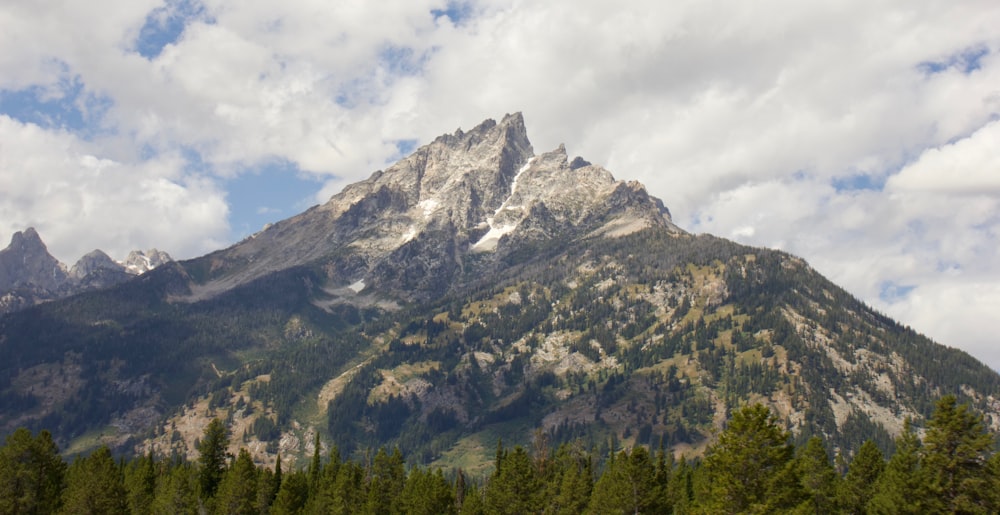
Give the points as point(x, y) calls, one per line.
point(859, 135)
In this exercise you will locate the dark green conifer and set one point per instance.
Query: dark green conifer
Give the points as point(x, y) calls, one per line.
point(817, 477)
point(901, 487)
point(858, 485)
point(748, 467)
point(957, 450)
point(237, 492)
point(514, 486)
point(94, 485)
point(212, 453)
point(32, 474)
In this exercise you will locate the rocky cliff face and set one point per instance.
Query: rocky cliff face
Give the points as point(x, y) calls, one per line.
point(30, 275)
point(407, 230)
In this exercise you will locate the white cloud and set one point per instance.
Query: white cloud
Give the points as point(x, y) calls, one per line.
point(969, 166)
point(79, 201)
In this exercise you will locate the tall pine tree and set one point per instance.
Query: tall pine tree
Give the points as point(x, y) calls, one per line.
point(748, 464)
point(957, 450)
point(858, 486)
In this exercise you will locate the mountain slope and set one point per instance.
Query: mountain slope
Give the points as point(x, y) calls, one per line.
point(473, 290)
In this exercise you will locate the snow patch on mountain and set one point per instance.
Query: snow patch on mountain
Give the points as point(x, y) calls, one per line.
point(492, 237)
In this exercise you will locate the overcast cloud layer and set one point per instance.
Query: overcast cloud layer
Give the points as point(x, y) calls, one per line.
point(860, 135)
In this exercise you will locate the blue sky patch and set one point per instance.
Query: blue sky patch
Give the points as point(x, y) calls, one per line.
point(457, 12)
point(891, 292)
point(164, 25)
point(68, 106)
point(272, 192)
point(966, 61)
point(404, 147)
point(859, 182)
point(402, 60)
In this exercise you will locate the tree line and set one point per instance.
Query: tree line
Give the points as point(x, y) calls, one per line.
point(752, 467)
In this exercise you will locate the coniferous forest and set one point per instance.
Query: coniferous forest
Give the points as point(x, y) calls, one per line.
point(751, 467)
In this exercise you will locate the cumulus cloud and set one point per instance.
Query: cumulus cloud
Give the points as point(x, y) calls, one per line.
point(968, 166)
point(79, 200)
point(856, 134)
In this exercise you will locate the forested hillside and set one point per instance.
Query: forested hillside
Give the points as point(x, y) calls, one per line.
point(471, 292)
point(752, 467)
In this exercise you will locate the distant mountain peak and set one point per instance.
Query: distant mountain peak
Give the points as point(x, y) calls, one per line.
point(26, 238)
point(30, 275)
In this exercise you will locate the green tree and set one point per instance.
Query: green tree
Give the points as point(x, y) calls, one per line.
point(341, 489)
point(94, 485)
point(237, 492)
point(32, 473)
point(749, 462)
point(817, 477)
point(176, 491)
point(957, 449)
point(858, 486)
point(900, 488)
point(386, 479)
point(292, 495)
point(474, 502)
point(315, 466)
point(212, 457)
point(514, 486)
point(627, 485)
point(680, 487)
point(426, 493)
point(140, 483)
point(268, 483)
point(568, 489)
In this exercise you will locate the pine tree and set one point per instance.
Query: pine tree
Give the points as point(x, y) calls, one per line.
point(680, 488)
point(94, 485)
point(386, 479)
point(900, 488)
point(315, 466)
point(858, 486)
point(474, 503)
point(817, 477)
point(237, 492)
point(267, 489)
point(140, 483)
point(514, 486)
point(32, 474)
point(176, 491)
point(426, 493)
point(292, 495)
point(627, 485)
point(569, 487)
point(212, 457)
point(749, 462)
point(957, 450)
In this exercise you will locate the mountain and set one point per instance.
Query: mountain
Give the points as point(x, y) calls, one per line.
point(30, 275)
point(473, 291)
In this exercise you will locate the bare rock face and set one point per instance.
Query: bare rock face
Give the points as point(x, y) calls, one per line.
point(406, 231)
point(139, 262)
point(26, 262)
point(29, 274)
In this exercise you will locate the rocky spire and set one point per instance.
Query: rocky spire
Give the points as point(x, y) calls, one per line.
point(26, 261)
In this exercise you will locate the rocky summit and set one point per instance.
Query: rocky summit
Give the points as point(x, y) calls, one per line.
point(471, 292)
point(405, 230)
point(30, 275)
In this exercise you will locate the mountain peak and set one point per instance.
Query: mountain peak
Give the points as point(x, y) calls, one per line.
point(478, 191)
point(27, 240)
